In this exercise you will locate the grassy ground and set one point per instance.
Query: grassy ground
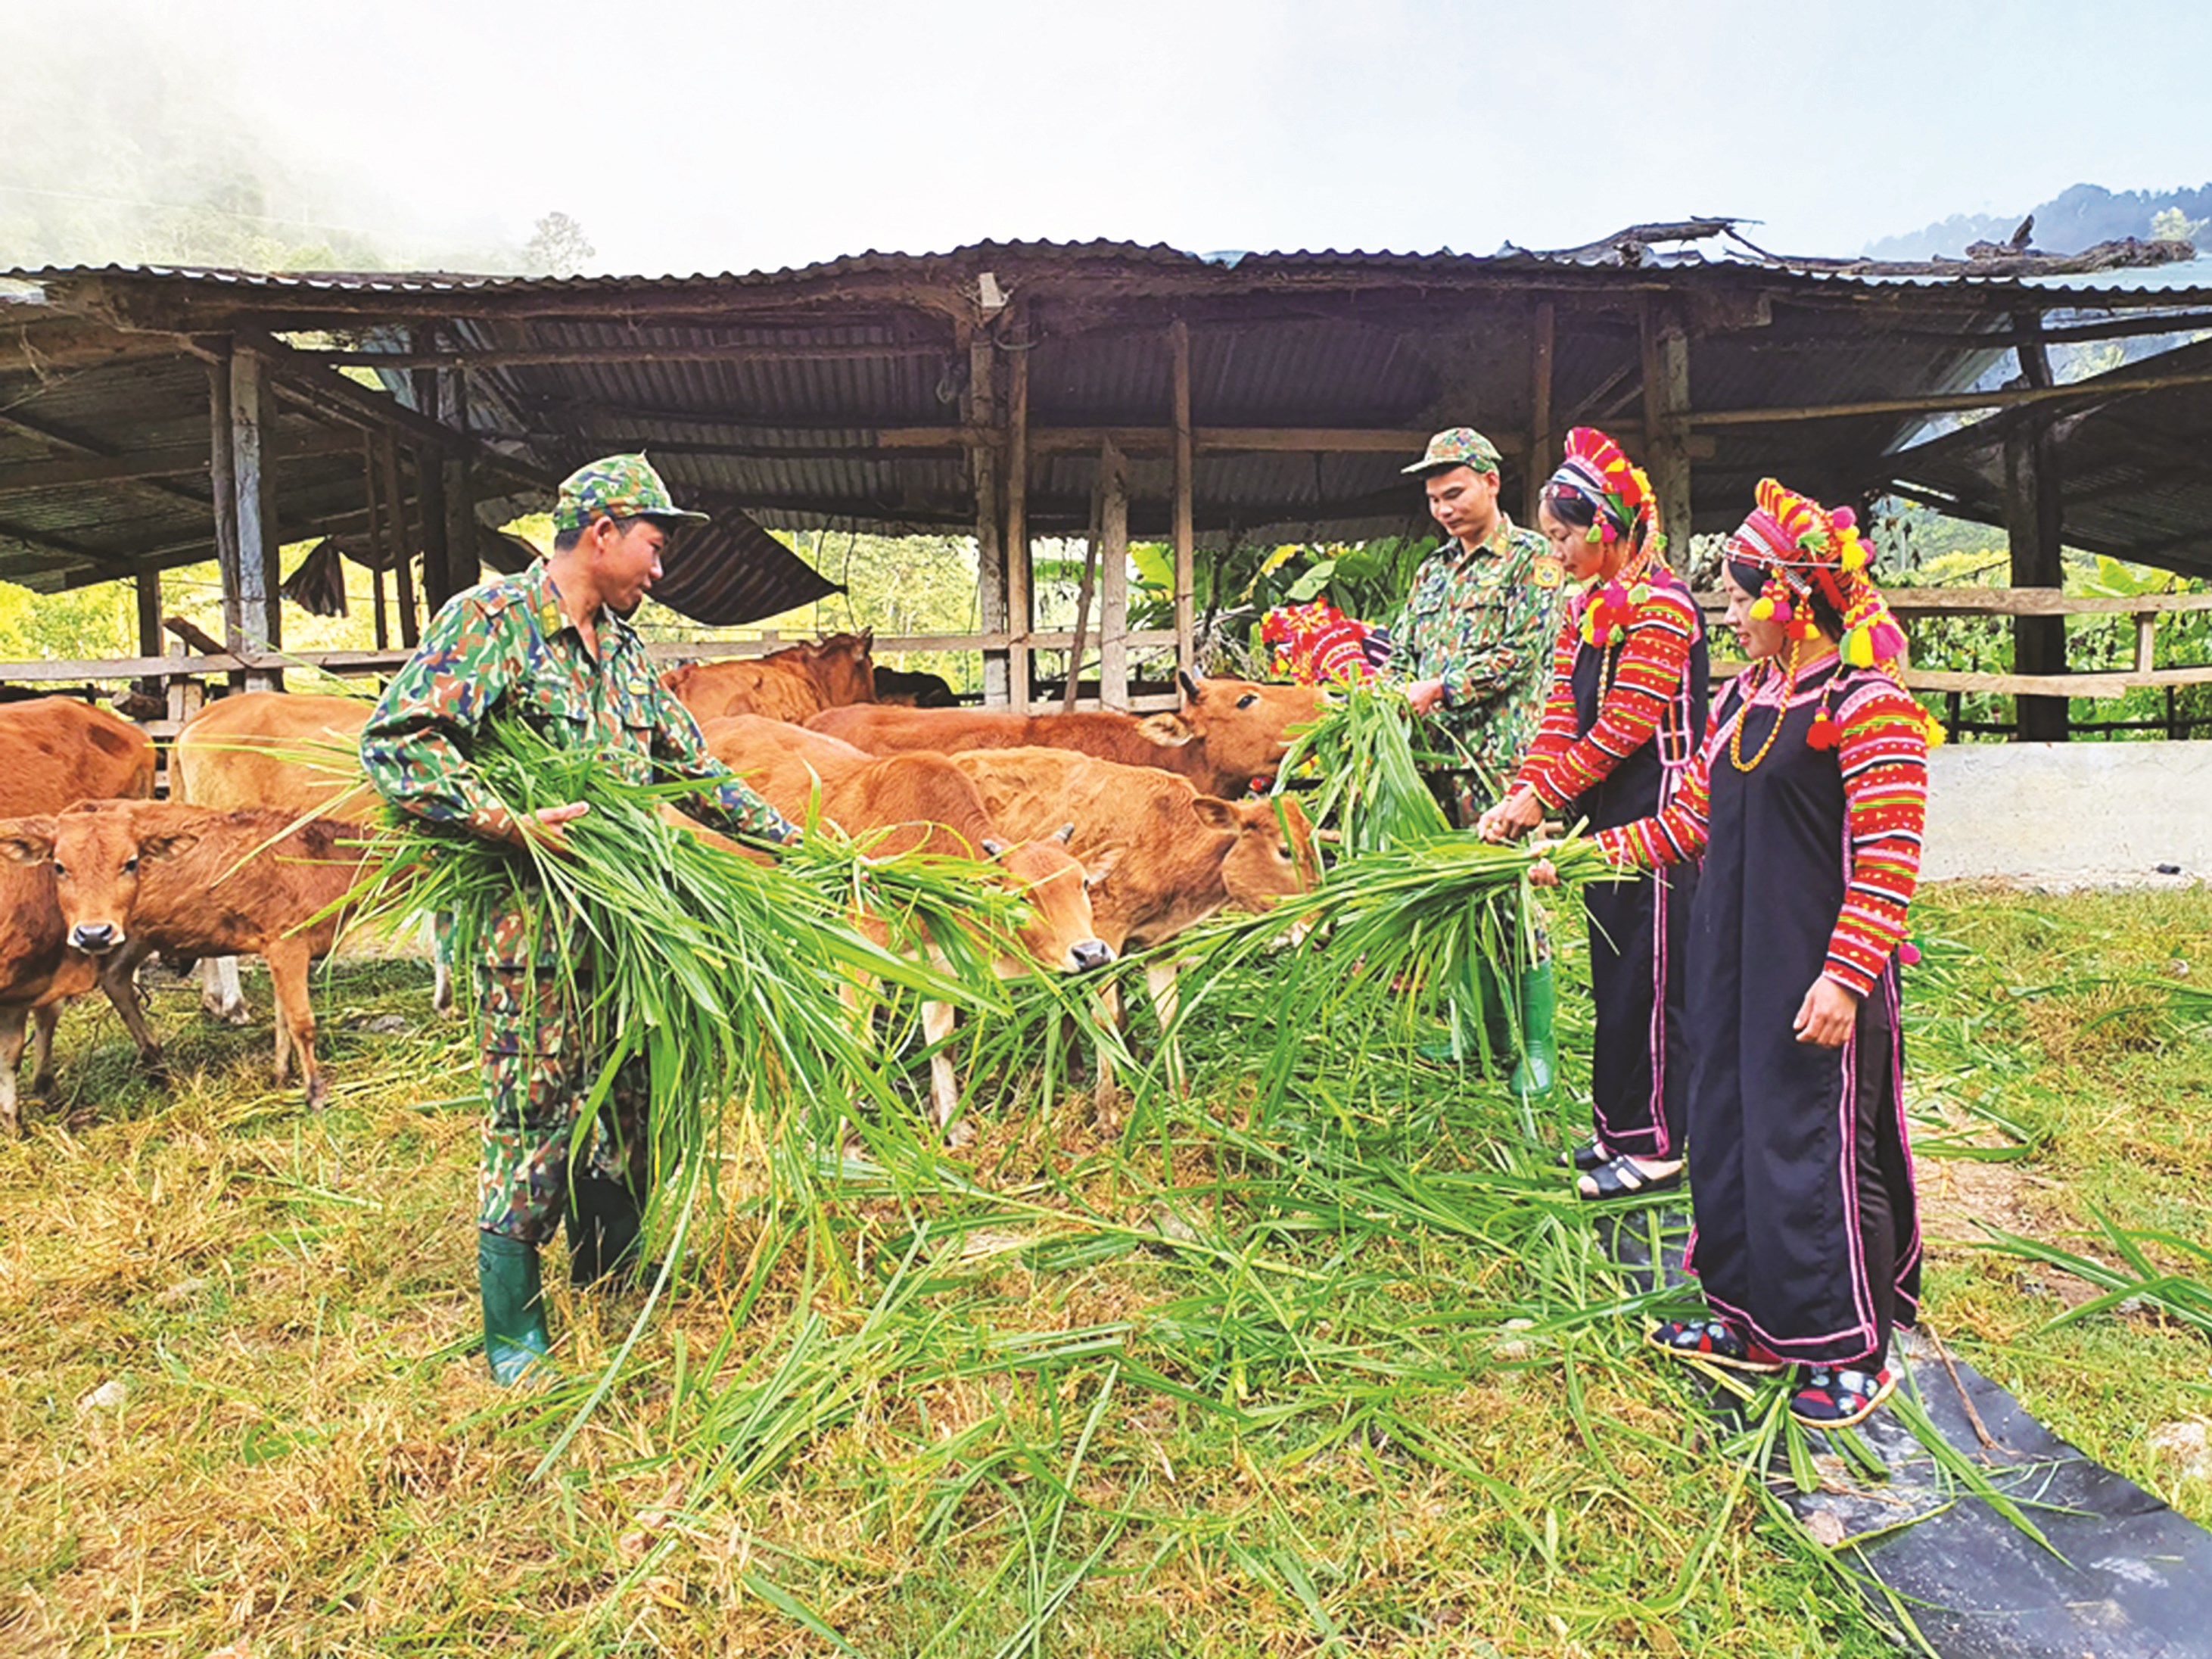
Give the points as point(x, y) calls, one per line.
point(1357, 1377)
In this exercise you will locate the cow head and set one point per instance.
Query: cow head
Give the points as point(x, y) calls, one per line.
point(1246, 725)
point(1272, 856)
point(99, 849)
point(1060, 934)
point(843, 670)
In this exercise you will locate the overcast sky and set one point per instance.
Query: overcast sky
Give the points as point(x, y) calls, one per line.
point(689, 136)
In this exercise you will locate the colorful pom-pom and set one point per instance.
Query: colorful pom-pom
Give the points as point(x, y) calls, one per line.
point(1936, 735)
point(1887, 640)
point(1762, 608)
point(1858, 649)
point(1844, 518)
point(1824, 732)
point(1908, 953)
point(1854, 556)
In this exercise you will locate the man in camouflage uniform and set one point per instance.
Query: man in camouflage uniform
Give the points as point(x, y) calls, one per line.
point(1474, 646)
point(550, 648)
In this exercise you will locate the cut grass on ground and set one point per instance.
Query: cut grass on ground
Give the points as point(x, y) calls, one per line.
point(1358, 1374)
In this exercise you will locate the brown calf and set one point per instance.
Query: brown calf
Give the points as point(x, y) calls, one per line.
point(134, 877)
point(790, 684)
point(37, 971)
point(1227, 733)
point(922, 802)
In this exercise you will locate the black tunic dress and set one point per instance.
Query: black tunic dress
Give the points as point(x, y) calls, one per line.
point(1639, 929)
point(1800, 1182)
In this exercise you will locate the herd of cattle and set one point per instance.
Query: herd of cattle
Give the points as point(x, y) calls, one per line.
point(1119, 831)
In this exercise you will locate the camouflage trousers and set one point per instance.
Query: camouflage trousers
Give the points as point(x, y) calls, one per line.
point(538, 1071)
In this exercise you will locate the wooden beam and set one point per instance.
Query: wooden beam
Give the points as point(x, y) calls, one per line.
point(464, 558)
point(1072, 681)
point(402, 562)
point(1182, 533)
point(1113, 579)
point(223, 475)
point(172, 460)
point(2096, 389)
point(1666, 355)
point(56, 437)
point(1008, 679)
point(380, 543)
point(1538, 470)
point(254, 493)
point(980, 417)
point(2033, 602)
point(2034, 515)
point(766, 351)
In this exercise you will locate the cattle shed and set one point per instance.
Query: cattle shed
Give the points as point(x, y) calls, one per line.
point(1014, 391)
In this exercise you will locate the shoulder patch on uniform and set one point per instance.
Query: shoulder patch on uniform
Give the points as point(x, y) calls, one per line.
point(1549, 571)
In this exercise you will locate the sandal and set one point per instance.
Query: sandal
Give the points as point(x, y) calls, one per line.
point(1715, 1342)
point(1835, 1397)
point(1585, 1158)
point(1623, 1177)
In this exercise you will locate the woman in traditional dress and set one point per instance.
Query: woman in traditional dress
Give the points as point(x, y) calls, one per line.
point(1624, 718)
point(1807, 802)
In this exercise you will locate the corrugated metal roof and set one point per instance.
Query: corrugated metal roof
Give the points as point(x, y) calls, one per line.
point(1312, 339)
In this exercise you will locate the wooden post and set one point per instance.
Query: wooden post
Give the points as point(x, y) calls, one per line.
point(223, 485)
point(1183, 534)
point(403, 553)
point(1016, 577)
point(1538, 464)
point(463, 559)
point(2034, 519)
point(1113, 578)
point(1665, 400)
point(256, 620)
point(1085, 589)
point(430, 526)
point(379, 546)
point(148, 584)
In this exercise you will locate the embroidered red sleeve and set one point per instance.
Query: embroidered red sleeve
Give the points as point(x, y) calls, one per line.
point(1556, 731)
point(1676, 833)
point(1647, 676)
point(1883, 755)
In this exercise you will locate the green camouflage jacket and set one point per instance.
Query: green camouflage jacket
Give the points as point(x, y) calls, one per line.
point(1484, 622)
point(506, 645)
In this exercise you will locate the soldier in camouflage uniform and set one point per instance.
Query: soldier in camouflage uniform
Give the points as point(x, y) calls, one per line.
point(548, 647)
point(1474, 646)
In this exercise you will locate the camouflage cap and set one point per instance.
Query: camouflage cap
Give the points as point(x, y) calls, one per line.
point(1462, 446)
point(619, 486)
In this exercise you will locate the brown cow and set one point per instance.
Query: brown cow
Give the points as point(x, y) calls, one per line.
point(902, 803)
point(791, 684)
point(1174, 856)
point(295, 751)
point(55, 751)
point(133, 877)
point(1227, 734)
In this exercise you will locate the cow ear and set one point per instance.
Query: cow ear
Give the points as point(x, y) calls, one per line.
point(1064, 834)
point(1192, 690)
point(993, 848)
point(1099, 868)
point(867, 641)
point(1215, 813)
point(27, 841)
point(1168, 731)
point(167, 846)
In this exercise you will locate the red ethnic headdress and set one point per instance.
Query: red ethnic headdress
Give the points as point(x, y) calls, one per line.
point(1597, 471)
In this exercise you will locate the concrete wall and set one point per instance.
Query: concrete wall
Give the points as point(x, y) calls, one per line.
point(2071, 814)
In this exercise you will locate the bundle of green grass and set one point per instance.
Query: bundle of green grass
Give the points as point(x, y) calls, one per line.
point(738, 979)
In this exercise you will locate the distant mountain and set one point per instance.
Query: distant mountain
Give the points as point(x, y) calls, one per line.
point(2077, 218)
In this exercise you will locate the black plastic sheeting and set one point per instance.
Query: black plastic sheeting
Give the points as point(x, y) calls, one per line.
point(2131, 1578)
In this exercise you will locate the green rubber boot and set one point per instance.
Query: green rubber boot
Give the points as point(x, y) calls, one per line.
point(516, 1338)
point(1478, 998)
point(1539, 1066)
point(602, 1229)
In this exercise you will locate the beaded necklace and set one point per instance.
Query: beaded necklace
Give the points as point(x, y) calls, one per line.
point(1781, 717)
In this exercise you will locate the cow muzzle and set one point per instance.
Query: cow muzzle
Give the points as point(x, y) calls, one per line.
point(1088, 954)
point(95, 937)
